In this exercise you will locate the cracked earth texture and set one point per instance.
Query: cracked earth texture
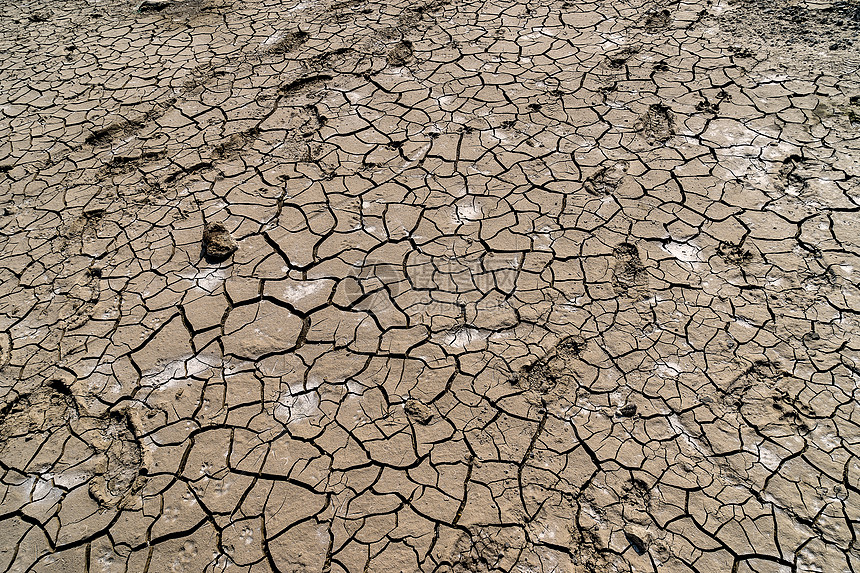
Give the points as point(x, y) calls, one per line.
point(456, 286)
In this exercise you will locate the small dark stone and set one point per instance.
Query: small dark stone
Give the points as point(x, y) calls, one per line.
point(37, 17)
point(218, 244)
point(153, 6)
point(421, 413)
point(627, 410)
point(637, 544)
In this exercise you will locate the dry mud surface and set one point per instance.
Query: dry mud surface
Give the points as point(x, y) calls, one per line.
point(452, 286)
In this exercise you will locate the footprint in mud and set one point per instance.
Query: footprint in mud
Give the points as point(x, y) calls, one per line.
point(400, 54)
point(106, 135)
point(618, 59)
point(289, 42)
point(232, 144)
point(127, 163)
point(413, 16)
point(541, 377)
point(305, 84)
point(489, 549)
point(657, 20)
point(341, 60)
point(734, 254)
point(741, 52)
point(5, 349)
point(551, 372)
point(118, 469)
point(636, 493)
point(708, 107)
point(629, 276)
point(789, 178)
point(114, 455)
point(570, 347)
point(39, 412)
point(657, 124)
point(606, 180)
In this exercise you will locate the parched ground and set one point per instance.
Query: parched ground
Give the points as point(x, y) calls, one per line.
point(449, 286)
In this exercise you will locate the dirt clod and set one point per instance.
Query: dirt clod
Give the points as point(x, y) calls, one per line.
point(627, 410)
point(153, 6)
point(218, 243)
point(419, 412)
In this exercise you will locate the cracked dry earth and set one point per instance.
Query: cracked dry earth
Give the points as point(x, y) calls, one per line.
point(453, 286)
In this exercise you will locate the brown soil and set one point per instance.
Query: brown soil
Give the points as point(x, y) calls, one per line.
point(347, 286)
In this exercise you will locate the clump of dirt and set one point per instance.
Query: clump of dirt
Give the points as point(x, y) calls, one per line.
point(218, 243)
point(657, 124)
point(629, 273)
point(153, 6)
point(419, 412)
point(626, 411)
